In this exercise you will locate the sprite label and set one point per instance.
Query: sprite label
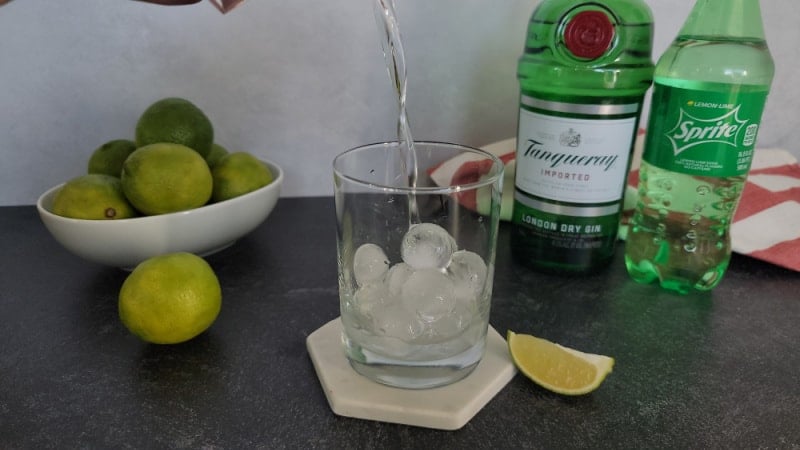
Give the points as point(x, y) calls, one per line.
point(703, 133)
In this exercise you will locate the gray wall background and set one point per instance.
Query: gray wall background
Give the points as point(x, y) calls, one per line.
point(294, 82)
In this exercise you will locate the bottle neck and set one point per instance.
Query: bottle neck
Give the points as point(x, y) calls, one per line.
point(739, 19)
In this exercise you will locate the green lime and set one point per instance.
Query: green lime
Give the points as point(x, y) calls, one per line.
point(178, 121)
point(94, 197)
point(170, 298)
point(237, 174)
point(216, 153)
point(164, 178)
point(108, 158)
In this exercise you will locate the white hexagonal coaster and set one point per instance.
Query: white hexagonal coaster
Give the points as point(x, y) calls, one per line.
point(447, 408)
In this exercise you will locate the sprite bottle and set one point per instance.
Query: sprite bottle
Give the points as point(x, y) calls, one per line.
point(709, 93)
point(583, 75)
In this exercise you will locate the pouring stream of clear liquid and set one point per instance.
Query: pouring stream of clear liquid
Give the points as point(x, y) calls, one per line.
point(396, 64)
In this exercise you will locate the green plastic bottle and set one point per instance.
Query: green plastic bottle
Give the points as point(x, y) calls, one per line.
point(710, 89)
point(583, 76)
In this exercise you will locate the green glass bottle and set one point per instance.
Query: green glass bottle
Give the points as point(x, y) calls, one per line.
point(583, 76)
point(710, 89)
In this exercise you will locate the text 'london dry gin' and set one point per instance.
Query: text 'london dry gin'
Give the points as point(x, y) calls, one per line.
point(583, 76)
point(710, 89)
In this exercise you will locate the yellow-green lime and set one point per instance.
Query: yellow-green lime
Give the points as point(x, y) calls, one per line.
point(170, 298)
point(108, 158)
point(237, 174)
point(94, 197)
point(557, 368)
point(178, 121)
point(216, 153)
point(164, 178)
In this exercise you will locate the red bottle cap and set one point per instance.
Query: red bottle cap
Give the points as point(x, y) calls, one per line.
point(588, 34)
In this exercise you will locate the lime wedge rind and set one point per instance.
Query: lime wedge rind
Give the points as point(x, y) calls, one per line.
point(525, 348)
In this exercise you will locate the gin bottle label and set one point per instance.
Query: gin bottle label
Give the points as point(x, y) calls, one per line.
point(572, 159)
point(572, 162)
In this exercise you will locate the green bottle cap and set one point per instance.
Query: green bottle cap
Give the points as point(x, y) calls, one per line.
point(588, 34)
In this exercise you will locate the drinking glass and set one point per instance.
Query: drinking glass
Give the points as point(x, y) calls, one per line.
point(416, 259)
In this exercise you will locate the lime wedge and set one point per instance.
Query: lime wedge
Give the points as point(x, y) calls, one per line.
point(558, 368)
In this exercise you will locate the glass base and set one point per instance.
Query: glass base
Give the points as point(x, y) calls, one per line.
point(413, 374)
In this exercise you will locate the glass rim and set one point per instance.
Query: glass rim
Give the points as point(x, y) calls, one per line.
point(448, 189)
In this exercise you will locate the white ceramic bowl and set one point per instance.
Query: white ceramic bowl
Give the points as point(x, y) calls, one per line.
point(127, 242)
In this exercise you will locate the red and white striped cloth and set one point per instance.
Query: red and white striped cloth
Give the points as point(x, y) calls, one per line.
point(766, 225)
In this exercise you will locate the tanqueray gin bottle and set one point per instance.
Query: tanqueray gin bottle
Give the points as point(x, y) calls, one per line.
point(710, 89)
point(583, 76)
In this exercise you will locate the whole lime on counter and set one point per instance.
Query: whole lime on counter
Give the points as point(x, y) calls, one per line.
point(237, 174)
point(163, 178)
point(108, 158)
point(93, 197)
point(178, 121)
point(171, 298)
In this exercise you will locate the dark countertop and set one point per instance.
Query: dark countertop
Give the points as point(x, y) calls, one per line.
point(715, 370)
